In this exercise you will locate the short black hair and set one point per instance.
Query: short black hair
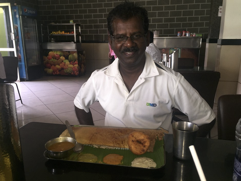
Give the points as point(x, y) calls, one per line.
point(125, 11)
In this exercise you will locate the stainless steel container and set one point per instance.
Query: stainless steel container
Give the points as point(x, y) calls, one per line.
point(11, 162)
point(184, 134)
point(60, 154)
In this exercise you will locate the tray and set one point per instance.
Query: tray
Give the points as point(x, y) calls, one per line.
point(158, 155)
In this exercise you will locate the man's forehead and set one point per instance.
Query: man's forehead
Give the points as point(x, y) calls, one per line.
point(134, 24)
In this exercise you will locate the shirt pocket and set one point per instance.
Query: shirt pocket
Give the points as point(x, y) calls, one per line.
point(155, 107)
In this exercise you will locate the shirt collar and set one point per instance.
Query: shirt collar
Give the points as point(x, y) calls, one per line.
point(149, 70)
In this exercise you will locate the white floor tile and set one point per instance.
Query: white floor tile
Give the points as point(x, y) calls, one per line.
point(37, 86)
point(70, 116)
point(56, 99)
point(22, 87)
point(96, 116)
point(73, 89)
point(27, 112)
point(44, 93)
point(25, 95)
point(73, 94)
point(30, 101)
point(97, 107)
point(99, 122)
point(61, 107)
point(43, 119)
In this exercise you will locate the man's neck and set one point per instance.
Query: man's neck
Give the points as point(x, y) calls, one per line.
point(131, 71)
point(131, 74)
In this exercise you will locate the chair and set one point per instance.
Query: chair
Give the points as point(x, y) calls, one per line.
point(11, 69)
point(228, 114)
point(205, 82)
point(186, 63)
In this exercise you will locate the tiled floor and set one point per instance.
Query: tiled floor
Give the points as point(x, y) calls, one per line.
point(50, 100)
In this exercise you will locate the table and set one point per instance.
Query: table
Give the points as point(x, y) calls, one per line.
point(216, 158)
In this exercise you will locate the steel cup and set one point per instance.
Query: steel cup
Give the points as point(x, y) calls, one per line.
point(184, 134)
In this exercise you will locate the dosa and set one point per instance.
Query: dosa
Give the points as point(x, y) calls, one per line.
point(112, 136)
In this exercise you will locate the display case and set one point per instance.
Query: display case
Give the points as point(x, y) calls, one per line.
point(62, 52)
point(60, 32)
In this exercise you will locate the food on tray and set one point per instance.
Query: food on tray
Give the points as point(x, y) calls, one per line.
point(62, 146)
point(138, 142)
point(112, 137)
point(87, 158)
point(113, 159)
point(143, 162)
point(59, 33)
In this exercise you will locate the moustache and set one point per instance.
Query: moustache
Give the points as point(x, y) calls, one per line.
point(132, 49)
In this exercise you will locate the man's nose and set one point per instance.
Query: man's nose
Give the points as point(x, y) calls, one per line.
point(129, 42)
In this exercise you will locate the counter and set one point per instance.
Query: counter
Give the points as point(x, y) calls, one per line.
point(180, 52)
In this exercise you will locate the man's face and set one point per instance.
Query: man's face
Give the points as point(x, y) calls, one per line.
point(130, 51)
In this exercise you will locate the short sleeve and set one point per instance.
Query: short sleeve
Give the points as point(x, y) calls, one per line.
point(188, 100)
point(86, 95)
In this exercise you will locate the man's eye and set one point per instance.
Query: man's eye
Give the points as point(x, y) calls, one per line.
point(137, 36)
point(120, 37)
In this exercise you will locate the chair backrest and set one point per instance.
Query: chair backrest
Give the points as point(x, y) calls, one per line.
point(186, 63)
point(228, 114)
point(11, 68)
point(205, 82)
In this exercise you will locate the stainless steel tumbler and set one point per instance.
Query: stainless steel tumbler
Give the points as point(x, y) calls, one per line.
point(184, 134)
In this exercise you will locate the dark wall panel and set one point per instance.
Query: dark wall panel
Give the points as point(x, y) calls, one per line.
point(167, 16)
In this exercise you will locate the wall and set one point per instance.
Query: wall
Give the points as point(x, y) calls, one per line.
point(96, 55)
point(214, 30)
point(167, 16)
point(215, 20)
point(229, 49)
point(230, 25)
point(3, 35)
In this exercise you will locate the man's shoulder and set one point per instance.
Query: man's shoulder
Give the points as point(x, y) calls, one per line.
point(99, 72)
point(166, 70)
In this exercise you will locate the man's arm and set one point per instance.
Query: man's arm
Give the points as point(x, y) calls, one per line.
point(84, 117)
point(204, 130)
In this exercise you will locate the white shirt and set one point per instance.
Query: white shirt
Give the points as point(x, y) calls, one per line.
point(149, 103)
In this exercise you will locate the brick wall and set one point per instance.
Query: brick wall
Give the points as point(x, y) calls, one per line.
point(167, 16)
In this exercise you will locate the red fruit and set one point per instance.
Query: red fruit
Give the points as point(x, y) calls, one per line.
point(75, 68)
point(48, 65)
point(49, 57)
point(57, 56)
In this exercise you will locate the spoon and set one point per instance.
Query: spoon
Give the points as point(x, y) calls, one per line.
point(78, 147)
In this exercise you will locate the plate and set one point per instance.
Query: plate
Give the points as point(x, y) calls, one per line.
point(158, 155)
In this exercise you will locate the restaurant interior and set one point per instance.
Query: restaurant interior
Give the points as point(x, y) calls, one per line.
point(198, 38)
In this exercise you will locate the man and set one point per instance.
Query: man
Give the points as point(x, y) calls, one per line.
point(133, 90)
